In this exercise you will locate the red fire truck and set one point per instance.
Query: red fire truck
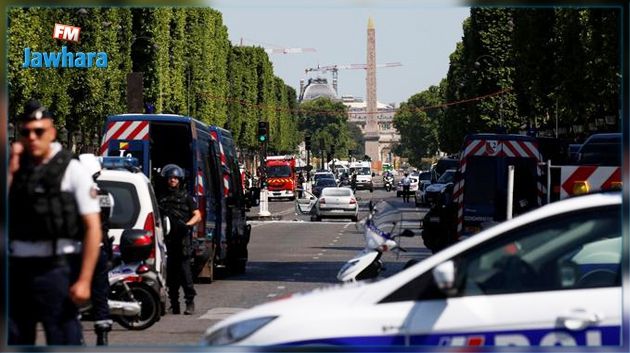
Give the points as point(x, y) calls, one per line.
point(281, 177)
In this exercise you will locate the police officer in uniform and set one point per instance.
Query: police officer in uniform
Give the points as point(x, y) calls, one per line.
point(183, 215)
point(100, 281)
point(53, 214)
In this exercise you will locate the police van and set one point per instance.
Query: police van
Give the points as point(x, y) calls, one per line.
point(550, 277)
point(208, 156)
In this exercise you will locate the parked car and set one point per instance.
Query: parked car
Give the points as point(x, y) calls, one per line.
point(336, 202)
point(440, 192)
point(425, 179)
point(322, 183)
point(550, 277)
point(323, 175)
point(135, 207)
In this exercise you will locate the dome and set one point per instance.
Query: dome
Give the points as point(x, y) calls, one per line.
point(318, 88)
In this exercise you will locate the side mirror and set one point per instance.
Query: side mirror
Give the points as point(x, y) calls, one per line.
point(167, 225)
point(407, 233)
point(444, 277)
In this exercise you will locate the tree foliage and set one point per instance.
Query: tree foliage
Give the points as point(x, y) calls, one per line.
point(327, 123)
point(517, 69)
point(188, 64)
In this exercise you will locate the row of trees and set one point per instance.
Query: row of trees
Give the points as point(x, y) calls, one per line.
point(189, 67)
point(518, 70)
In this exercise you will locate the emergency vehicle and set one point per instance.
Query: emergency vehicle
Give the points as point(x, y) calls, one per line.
point(364, 173)
point(281, 176)
point(208, 156)
point(550, 277)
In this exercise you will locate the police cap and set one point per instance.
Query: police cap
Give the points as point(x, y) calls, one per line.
point(33, 110)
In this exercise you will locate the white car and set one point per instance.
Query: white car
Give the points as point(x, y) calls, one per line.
point(413, 187)
point(546, 278)
point(336, 202)
point(135, 207)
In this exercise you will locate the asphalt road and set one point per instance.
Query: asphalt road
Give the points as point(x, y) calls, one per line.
point(288, 255)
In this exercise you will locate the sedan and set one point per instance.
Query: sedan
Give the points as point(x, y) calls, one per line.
point(336, 202)
point(323, 183)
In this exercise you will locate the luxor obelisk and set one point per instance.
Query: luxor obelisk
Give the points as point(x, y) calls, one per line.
point(371, 131)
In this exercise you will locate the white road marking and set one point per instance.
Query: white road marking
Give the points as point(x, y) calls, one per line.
point(271, 295)
point(280, 287)
point(320, 254)
point(297, 273)
point(219, 313)
point(315, 257)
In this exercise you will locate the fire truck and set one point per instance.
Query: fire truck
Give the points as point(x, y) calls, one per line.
point(280, 176)
point(477, 198)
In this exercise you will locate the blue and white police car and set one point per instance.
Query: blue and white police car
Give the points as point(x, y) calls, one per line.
point(551, 277)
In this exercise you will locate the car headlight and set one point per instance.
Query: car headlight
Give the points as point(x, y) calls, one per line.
point(237, 331)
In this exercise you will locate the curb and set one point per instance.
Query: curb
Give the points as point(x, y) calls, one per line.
point(263, 218)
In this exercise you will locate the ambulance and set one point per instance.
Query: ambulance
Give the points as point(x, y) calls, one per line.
point(550, 277)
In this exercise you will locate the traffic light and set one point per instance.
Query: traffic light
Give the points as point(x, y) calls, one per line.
point(263, 131)
point(307, 142)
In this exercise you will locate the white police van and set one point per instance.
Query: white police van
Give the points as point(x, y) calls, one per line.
point(551, 277)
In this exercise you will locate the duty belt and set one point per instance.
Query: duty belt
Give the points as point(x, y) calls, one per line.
point(44, 248)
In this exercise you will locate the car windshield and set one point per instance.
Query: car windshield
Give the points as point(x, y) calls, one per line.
point(279, 171)
point(337, 192)
point(126, 204)
point(323, 176)
point(363, 171)
point(425, 176)
point(601, 154)
point(447, 177)
point(326, 182)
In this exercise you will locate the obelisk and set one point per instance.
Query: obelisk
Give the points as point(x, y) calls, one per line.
point(371, 133)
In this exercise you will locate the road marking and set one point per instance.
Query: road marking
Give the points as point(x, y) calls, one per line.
point(347, 225)
point(324, 250)
point(271, 295)
point(320, 254)
point(219, 313)
point(331, 244)
point(315, 257)
point(335, 240)
point(297, 273)
point(280, 287)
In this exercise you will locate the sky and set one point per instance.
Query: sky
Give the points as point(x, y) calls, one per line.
point(419, 34)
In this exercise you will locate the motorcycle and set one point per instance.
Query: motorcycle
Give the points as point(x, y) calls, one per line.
point(134, 288)
point(367, 264)
point(389, 183)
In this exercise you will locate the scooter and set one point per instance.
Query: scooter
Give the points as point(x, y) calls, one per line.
point(134, 288)
point(367, 264)
point(389, 183)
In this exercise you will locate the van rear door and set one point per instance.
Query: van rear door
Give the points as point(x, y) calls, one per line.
point(128, 137)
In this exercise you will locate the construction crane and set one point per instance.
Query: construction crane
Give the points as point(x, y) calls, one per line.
point(281, 50)
point(335, 69)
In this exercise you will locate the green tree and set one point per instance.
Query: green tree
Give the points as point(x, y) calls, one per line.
point(326, 121)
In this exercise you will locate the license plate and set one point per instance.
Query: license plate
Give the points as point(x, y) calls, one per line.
point(277, 193)
point(336, 211)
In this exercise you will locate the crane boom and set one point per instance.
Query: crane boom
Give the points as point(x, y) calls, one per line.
point(289, 50)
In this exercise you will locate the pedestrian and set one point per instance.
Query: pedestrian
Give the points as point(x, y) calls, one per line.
point(301, 181)
point(53, 215)
point(183, 215)
point(406, 184)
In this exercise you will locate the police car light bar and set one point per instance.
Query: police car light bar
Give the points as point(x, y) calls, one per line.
point(120, 162)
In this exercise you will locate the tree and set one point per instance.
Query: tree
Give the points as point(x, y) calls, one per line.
point(326, 121)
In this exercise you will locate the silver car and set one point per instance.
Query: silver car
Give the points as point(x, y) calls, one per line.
point(335, 202)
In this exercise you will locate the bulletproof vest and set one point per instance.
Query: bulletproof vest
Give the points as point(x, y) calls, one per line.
point(38, 209)
point(174, 205)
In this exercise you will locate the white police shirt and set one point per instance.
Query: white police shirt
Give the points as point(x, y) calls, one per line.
point(79, 182)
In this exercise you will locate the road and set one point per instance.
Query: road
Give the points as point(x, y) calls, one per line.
point(286, 256)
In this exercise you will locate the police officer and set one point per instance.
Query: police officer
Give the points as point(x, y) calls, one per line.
point(406, 184)
point(183, 215)
point(100, 281)
point(53, 214)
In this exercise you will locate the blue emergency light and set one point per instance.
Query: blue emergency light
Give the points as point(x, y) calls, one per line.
point(120, 163)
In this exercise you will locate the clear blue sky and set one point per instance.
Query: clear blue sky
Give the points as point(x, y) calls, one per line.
point(419, 34)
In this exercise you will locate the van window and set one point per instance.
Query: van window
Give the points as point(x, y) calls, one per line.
point(126, 204)
point(480, 180)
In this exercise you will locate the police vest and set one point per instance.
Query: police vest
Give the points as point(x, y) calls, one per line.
point(38, 209)
point(174, 204)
